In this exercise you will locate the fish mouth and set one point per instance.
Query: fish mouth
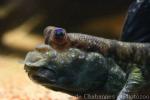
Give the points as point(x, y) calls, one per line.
point(41, 75)
point(47, 77)
point(68, 90)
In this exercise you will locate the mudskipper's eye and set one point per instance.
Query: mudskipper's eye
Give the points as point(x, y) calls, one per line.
point(59, 33)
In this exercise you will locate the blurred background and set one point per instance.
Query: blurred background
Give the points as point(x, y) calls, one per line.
point(21, 26)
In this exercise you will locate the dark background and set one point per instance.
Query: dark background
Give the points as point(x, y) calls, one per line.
point(97, 17)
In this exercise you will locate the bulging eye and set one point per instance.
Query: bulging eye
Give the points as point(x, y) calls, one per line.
point(59, 33)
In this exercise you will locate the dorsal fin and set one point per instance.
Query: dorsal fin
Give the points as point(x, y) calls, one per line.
point(137, 25)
